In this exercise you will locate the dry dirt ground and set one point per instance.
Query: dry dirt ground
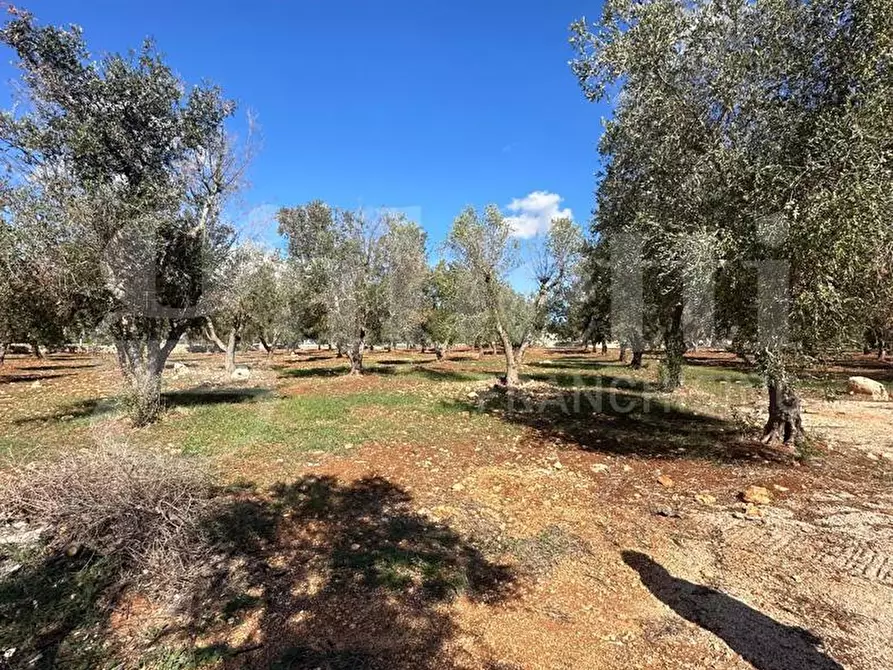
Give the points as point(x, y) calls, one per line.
point(503, 533)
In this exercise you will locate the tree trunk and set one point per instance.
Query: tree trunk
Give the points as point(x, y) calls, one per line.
point(623, 352)
point(784, 414)
point(267, 347)
point(231, 343)
point(492, 348)
point(4, 347)
point(604, 348)
point(674, 348)
point(881, 349)
point(211, 335)
point(355, 354)
point(35, 349)
point(142, 363)
point(340, 350)
point(637, 344)
point(587, 335)
point(511, 378)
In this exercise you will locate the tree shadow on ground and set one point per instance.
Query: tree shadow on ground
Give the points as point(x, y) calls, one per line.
point(760, 640)
point(21, 379)
point(81, 409)
point(43, 368)
point(307, 373)
point(197, 397)
point(46, 601)
point(341, 576)
point(611, 419)
point(587, 379)
point(438, 375)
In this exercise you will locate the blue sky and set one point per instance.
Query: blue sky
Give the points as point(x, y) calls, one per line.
point(422, 105)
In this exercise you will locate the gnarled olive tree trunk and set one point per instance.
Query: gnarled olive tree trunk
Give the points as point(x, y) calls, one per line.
point(142, 358)
point(784, 414)
point(355, 353)
point(784, 404)
point(674, 351)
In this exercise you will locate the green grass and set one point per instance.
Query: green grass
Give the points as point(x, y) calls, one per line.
point(307, 423)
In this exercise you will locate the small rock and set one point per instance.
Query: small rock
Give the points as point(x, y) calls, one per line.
point(866, 386)
point(472, 395)
point(36, 384)
point(780, 488)
point(666, 481)
point(599, 467)
point(240, 374)
point(668, 512)
point(627, 468)
point(705, 499)
point(557, 465)
point(354, 547)
point(756, 495)
point(753, 513)
point(458, 486)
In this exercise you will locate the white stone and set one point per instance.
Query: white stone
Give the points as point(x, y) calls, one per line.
point(240, 374)
point(866, 386)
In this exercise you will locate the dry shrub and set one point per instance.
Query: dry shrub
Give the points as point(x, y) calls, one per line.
point(144, 509)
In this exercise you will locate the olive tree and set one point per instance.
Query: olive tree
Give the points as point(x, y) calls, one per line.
point(343, 251)
point(249, 301)
point(482, 243)
point(775, 159)
point(139, 169)
point(405, 275)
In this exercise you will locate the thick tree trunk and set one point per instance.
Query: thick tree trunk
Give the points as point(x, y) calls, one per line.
point(340, 350)
point(35, 349)
point(604, 348)
point(355, 354)
point(784, 414)
point(232, 342)
point(142, 363)
point(586, 338)
point(511, 378)
point(637, 344)
point(623, 352)
point(4, 347)
point(674, 351)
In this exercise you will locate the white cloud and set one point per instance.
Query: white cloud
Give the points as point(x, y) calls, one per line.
point(533, 214)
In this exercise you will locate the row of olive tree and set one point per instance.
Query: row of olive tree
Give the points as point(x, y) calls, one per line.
point(114, 204)
point(749, 155)
point(374, 283)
